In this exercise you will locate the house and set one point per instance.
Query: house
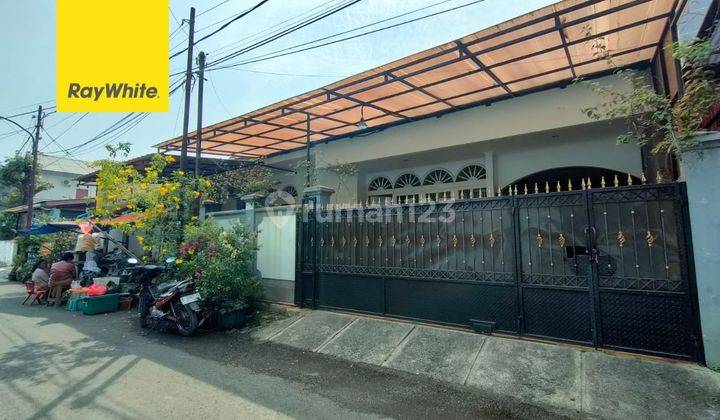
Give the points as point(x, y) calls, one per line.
point(553, 230)
point(495, 109)
point(62, 173)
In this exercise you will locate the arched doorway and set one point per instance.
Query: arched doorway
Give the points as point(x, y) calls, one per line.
point(574, 175)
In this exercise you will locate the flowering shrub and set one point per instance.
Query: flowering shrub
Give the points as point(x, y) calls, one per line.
point(161, 204)
point(217, 261)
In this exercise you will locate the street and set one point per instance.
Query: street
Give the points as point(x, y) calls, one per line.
point(55, 364)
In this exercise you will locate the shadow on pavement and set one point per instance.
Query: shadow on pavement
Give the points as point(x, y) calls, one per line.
point(234, 363)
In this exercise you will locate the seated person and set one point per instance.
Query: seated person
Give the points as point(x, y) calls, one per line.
point(40, 275)
point(63, 272)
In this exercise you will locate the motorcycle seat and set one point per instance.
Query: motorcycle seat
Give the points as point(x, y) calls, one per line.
point(164, 287)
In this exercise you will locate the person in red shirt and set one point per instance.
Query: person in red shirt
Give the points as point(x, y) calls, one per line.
point(63, 272)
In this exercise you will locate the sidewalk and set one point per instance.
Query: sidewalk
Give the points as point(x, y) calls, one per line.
point(567, 380)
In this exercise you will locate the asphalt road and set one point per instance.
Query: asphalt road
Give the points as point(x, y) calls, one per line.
point(57, 364)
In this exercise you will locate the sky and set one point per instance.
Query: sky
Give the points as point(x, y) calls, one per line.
point(27, 74)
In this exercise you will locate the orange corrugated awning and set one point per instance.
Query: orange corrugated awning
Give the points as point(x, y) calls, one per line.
point(540, 49)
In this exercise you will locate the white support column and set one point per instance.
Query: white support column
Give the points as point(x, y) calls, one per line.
point(701, 171)
point(490, 173)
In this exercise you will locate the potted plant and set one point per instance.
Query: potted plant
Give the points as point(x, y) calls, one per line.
point(219, 261)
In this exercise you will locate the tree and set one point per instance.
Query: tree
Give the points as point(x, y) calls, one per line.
point(14, 179)
point(653, 117)
point(160, 203)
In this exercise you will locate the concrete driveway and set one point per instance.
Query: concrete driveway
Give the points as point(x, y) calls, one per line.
point(573, 381)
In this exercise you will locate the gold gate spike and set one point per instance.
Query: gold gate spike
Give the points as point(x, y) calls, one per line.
point(343, 242)
point(643, 179)
point(472, 240)
point(536, 188)
point(526, 190)
point(392, 241)
point(589, 183)
point(332, 241)
point(582, 184)
point(422, 240)
point(354, 242)
point(561, 240)
point(659, 177)
point(629, 181)
point(322, 242)
point(569, 184)
point(539, 240)
point(616, 181)
point(620, 239)
point(437, 239)
point(547, 187)
point(367, 241)
point(649, 239)
point(407, 240)
point(558, 187)
point(516, 190)
point(499, 192)
point(491, 240)
point(602, 181)
point(380, 241)
point(454, 241)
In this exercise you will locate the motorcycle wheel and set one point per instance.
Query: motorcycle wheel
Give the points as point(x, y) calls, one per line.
point(144, 306)
point(186, 320)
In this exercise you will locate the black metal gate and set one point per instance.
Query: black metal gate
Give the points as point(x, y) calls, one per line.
point(609, 267)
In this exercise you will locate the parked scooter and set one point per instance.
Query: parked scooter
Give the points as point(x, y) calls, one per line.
point(173, 304)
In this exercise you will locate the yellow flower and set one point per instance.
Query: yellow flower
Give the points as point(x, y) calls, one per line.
point(169, 159)
point(140, 239)
point(147, 248)
point(206, 183)
point(194, 218)
point(143, 185)
point(181, 172)
point(196, 194)
point(191, 251)
point(160, 206)
point(178, 261)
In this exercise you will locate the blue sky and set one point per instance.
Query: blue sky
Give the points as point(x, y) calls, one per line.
point(27, 75)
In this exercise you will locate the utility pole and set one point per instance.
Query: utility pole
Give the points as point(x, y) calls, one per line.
point(33, 170)
point(188, 85)
point(201, 84)
point(198, 141)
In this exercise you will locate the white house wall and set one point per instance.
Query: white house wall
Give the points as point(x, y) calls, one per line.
point(511, 139)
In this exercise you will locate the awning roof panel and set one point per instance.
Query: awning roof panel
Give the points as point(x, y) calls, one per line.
point(548, 46)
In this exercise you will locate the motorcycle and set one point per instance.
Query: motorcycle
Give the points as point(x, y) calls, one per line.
point(174, 304)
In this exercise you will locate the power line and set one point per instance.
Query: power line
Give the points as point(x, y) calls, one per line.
point(240, 16)
point(281, 34)
point(29, 112)
point(27, 106)
point(285, 51)
point(309, 21)
point(212, 8)
point(256, 34)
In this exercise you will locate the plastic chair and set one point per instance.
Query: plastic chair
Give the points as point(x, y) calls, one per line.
point(33, 295)
point(55, 296)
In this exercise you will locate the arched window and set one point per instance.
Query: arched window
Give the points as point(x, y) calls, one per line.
point(407, 180)
point(471, 173)
point(380, 183)
point(291, 190)
point(438, 176)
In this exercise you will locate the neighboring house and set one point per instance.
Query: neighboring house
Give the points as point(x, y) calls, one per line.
point(62, 173)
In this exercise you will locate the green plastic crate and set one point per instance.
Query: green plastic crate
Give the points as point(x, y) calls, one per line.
point(91, 305)
point(74, 304)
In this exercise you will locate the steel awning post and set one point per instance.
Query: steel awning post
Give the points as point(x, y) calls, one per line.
point(307, 152)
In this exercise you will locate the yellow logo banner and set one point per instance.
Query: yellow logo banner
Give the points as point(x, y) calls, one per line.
point(112, 56)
